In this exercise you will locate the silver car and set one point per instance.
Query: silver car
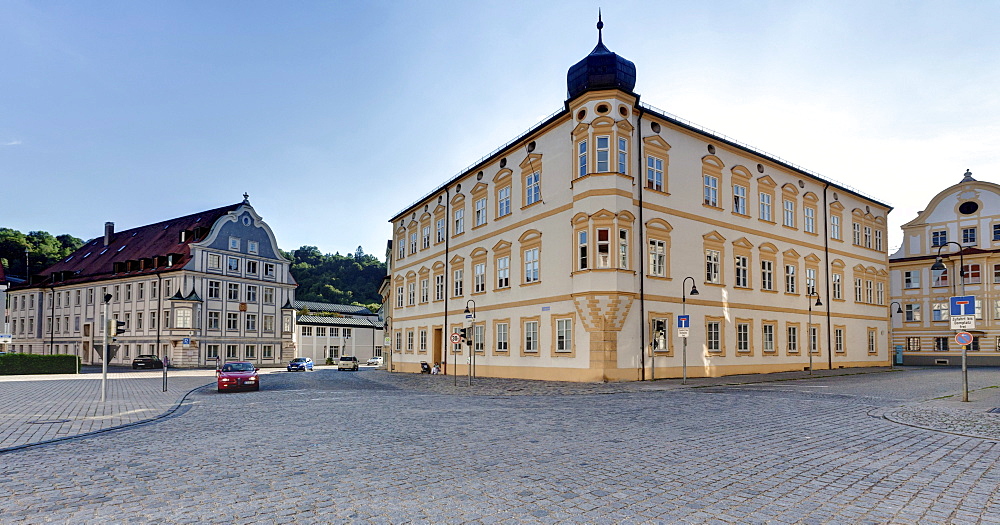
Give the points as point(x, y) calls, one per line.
point(347, 362)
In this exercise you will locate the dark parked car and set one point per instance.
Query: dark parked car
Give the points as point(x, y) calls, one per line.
point(300, 363)
point(146, 361)
point(238, 376)
point(347, 362)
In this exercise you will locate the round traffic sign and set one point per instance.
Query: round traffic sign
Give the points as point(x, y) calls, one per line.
point(456, 338)
point(963, 338)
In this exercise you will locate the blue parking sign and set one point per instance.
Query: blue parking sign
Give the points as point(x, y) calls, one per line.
point(963, 305)
point(683, 321)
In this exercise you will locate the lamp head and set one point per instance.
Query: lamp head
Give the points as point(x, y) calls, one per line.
point(899, 310)
point(694, 291)
point(466, 309)
point(818, 302)
point(938, 265)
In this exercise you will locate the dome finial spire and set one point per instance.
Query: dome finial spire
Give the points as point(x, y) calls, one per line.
point(968, 176)
point(600, 27)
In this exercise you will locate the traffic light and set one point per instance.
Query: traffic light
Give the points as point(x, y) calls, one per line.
point(119, 328)
point(467, 335)
point(115, 328)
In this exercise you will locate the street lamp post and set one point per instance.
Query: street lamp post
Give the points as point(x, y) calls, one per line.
point(471, 318)
point(892, 349)
point(684, 352)
point(939, 266)
point(107, 343)
point(809, 338)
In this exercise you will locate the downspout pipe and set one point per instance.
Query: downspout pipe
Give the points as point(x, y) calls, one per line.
point(637, 137)
point(445, 331)
point(52, 320)
point(826, 263)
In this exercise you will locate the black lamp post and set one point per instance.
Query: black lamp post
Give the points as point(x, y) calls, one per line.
point(938, 266)
point(684, 355)
point(471, 317)
point(809, 339)
point(892, 351)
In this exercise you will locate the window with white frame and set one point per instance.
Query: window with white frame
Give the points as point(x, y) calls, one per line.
point(813, 339)
point(253, 247)
point(765, 207)
point(582, 248)
point(234, 243)
point(532, 188)
point(424, 290)
point(581, 156)
point(503, 201)
point(233, 291)
point(214, 261)
point(531, 336)
point(654, 173)
point(503, 336)
point(969, 236)
point(268, 295)
point(458, 277)
point(232, 351)
point(503, 272)
point(603, 154)
point(212, 351)
point(439, 227)
point(564, 335)
point(856, 231)
point(479, 338)
point(531, 265)
point(742, 337)
point(603, 248)
point(711, 190)
point(790, 278)
point(741, 269)
point(399, 297)
point(880, 293)
point(251, 293)
point(859, 286)
point(939, 238)
point(657, 258)
point(739, 199)
point(425, 237)
point(835, 227)
point(481, 211)
point(411, 294)
point(423, 340)
point(459, 221)
point(712, 266)
point(789, 216)
point(622, 155)
point(713, 336)
point(911, 312)
point(268, 323)
point(792, 334)
point(438, 287)
point(911, 279)
point(413, 242)
point(939, 277)
point(767, 275)
point(878, 240)
point(251, 322)
point(214, 320)
point(940, 311)
point(810, 280)
point(809, 219)
point(252, 267)
point(767, 337)
point(623, 249)
point(233, 322)
point(973, 274)
point(479, 277)
point(214, 289)
point(996, 237)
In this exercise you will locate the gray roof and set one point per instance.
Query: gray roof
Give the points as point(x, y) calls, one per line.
point(337, 321)
point(330, 307)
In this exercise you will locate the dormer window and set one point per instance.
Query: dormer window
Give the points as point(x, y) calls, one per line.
point(122, 248)
point(252, 247)
point(234, 243)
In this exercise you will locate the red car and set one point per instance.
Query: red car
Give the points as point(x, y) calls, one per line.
point(238, 376)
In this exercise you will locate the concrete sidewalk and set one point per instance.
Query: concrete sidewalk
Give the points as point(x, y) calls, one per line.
point(37, 409)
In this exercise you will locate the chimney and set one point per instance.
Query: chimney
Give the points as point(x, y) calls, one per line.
point(109, 232)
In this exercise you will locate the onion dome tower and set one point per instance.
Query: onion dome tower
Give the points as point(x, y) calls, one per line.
point(601, 69)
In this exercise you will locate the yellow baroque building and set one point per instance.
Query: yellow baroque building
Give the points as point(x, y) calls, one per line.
point(961, 226)
point(576, 247)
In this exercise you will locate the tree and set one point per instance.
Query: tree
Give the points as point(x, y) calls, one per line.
point(343, 279)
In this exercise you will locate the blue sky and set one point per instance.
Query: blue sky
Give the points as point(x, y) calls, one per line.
point(334, 116)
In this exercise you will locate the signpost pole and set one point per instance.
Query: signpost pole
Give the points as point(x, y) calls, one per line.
point(965, 374)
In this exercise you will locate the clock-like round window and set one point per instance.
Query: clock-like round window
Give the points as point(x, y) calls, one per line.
point(968, 208)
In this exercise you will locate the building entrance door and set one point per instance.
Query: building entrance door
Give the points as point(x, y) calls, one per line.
point(436, 352)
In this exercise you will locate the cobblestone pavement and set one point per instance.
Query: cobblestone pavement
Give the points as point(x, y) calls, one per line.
point(373, 447)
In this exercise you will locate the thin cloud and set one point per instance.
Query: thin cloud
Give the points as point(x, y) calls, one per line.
point(12, 143)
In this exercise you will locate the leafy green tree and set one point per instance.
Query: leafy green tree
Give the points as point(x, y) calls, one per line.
point(343, 279)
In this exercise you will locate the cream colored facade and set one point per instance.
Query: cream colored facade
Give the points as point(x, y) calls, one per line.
point(962, 218)
point(573, 240)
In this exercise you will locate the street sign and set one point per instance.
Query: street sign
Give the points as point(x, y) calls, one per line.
point(963, 338)
point(456, 338)
point(683, 332)
point(6, 338)
point(963, 322)
point(186, 342)
point(683, 321)
point(388, 341)
point(963, 305)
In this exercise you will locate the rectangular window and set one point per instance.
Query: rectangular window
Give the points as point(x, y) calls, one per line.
point(856, 232)
point(581, 244)
point(872, 342)
point(233, 323)
point(810, 280)
point(835, 227)
point(742, 337)
point(268, 295)
point(868, 237)
point(233, 291)
point(858, 290)
point(790, 278)
point(622, 155)
point(479, 338)
point(251, 293)
point(532, 188)
point(969, 236)
point(767, 338)
point(939, 277)
point(458, 280)
point(503, 335)
point(409, 341)
point(878, 240)
point(740, 199)
point(973, 274)
point(399, 297)
point(439, 226)
point(425, 237)
point(531, 336)
point(603, 154)
point(564, 335)
point(996, 234)
point(603, 248)
point(996, 274)
point(741, 271)
point(503, 201)
point(152, 320)
point(252, 267)
point(413, 243)
point(234, 264)
point(531, 265)
point(813, 339)
point(503, 272)
point(711, 190)
point(810, 220)
point(767, 275)
point(438, 287)
point(657, 258)
point(251, 351)
point(912, 344)
point(623, 249)
point(712, 266)
point(481, 211)
point(214, 320)
point(232, 352)
point(411, 294)
point(214, 289)
point(128, 293)
point(765, 207)
point(793, 339)
point(214, 261)
point(183, 318)
point(654, 173)
point(423, 340)
point(880, 293)
point(939, 238)
point(267, 351)
point(252, 247)
point(425, 285)
point(940, 311)
point(459, 221)
point(212, 352)
point(479, 277)
point(789, 214)
point(269, 270)
point(941, 344)
point(320, 331)
point(581, 155)
point(268, 323)
point(713, 337)
point(911, 312)
point(911, 279)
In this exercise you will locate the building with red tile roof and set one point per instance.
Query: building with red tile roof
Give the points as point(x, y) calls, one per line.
point(205, 286)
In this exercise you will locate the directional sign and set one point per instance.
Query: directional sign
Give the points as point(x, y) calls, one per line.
point(683, 321)
point(963, 338)
point(683, 332)
point(456, 338)
point(963, 305)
